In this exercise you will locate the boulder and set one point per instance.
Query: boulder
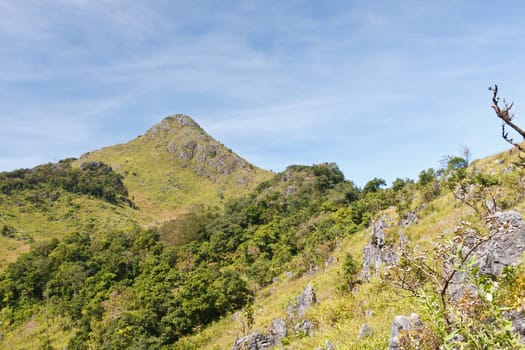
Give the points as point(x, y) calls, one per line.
point(401, 325)
point(278, 330)
point(255, 341)
point(365, 331)
point(305, 327)
point(297, 310)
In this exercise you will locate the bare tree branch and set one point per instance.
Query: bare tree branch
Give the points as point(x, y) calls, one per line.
point(506, 116)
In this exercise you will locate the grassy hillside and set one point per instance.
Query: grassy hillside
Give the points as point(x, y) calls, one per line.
point(175, 167)
point(209, 277)
point(53, 200)
point(339, 313)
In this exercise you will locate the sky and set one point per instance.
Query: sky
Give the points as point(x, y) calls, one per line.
point(382, 88)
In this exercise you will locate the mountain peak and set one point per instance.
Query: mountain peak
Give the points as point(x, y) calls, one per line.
point(174, 123)
point(176, 165)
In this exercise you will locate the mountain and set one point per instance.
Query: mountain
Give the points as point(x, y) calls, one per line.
point(176, 167)
point(301, 259)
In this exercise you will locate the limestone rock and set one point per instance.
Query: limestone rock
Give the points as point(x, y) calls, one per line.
point(365, 331)
point(259, 341)
point(402, 324)
point(410, 218)
point(329, 345)
point(255, 341)
point(518, 323)
point(505, 248)
point(297, 310)
point(278, 330)
point(377, 251)
point(305, 327)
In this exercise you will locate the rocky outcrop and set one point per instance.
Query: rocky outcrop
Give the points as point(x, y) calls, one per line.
point(506, 245)
point(503, 247)
point(255, 341)
point(518, 323)
point(377, 251)
point(400, 327)
point(259, 341)
point(279, 327)
point(297, 310)
point(304, 328)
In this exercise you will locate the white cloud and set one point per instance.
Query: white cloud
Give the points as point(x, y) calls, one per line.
point(277, 79)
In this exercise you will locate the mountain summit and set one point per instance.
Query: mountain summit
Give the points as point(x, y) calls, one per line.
point(176, 166)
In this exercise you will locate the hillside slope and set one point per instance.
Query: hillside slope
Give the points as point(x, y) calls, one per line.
point(176, 167)
point(362, 286)
point(304, 260)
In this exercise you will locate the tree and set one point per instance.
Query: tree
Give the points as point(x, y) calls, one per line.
point(507, 117)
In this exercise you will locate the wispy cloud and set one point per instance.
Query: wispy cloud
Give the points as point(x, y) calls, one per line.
point(275, 81)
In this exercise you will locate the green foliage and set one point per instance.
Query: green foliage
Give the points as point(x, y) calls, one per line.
point(474, 188)
point(469, 319)
point(349, 273)
point(373, 185)
point(96, 179)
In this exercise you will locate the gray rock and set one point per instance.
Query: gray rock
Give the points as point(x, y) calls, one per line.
point(505, 248)
point(305, 327)
point(255, 341)
point(377, 252)
point(297, 310)
point(402, 323)
point(378, 231)
point(329, 345)
point(278, 330)
point(369, 313)
point(329, 261)
point(259, 341)
point(518, 323)
point(410, 218)
point(365, 331)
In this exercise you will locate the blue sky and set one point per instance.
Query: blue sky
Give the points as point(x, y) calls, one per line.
point(382, 88)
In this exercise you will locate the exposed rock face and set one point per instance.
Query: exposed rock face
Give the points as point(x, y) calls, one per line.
point(400, 325)
point(278, 330)
point(258, 341)
point(304, 327)
point(411, 218)
point(306, 299)
point(378, 252)
point(518, 323)
point(186, 140)
point(255, 341)
point(505, 247)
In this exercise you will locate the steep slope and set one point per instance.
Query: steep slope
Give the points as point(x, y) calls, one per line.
point(176, 167)
point(173, 169)
point(52, 200)
point(426, 218)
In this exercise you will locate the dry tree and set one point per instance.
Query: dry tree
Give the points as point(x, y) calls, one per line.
point(504, 113)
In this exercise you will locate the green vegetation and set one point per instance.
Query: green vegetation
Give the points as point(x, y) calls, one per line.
point(176, 168)
point(95, 179)
point(185, 245)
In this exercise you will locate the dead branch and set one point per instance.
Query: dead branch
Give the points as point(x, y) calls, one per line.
point(506, 116)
